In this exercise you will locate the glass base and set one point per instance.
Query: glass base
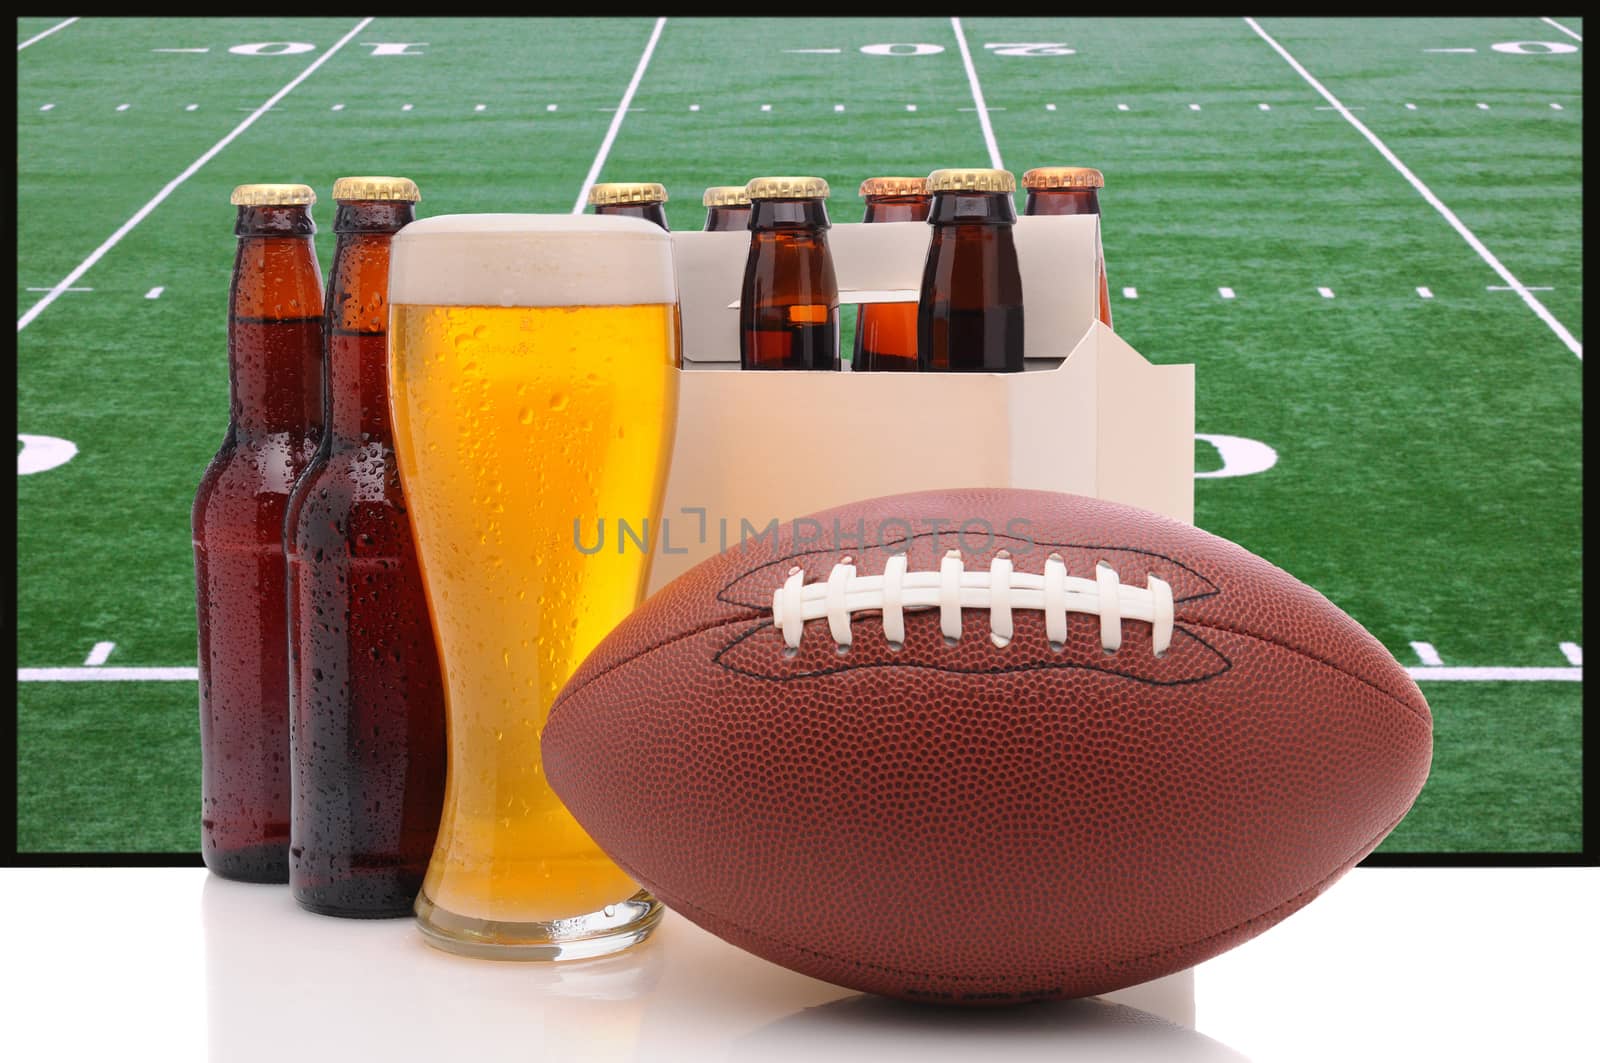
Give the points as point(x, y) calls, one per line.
point(616, 927)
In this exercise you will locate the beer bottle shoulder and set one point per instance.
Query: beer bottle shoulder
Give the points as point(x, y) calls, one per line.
point(354, 496)
point(245, 491)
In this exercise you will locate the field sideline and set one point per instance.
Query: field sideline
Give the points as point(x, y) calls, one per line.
point(1366, 235)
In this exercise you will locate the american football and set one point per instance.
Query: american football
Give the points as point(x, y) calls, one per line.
point(987, 746)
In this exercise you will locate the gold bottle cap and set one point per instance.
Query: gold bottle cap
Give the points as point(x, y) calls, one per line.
point(725, 196)
point(971, 180)
point(1047, 177)
point(395, 189)
point(787, 188)
point(272, 196)
point(608, 194)
point(894, 186)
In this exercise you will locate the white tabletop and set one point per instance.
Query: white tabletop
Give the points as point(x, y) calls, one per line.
point(1447, 964)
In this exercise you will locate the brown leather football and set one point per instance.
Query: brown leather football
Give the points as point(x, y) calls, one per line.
point(985, 746)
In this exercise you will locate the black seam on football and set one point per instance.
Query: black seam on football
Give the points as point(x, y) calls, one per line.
point(1425, 715)
point(1034, 666)
point(724, 595)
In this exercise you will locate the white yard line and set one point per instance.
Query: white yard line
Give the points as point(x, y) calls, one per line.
point(977, 95)
point(1559, 26)
point(103, 674)
point(63, 25)
point(616, 119)
point(1427, 674)
point(172, 186)
point(1456, 223)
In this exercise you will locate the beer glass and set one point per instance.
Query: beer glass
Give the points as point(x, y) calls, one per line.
point(533, 388)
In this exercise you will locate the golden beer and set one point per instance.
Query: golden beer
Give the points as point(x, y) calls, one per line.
point(533, 385)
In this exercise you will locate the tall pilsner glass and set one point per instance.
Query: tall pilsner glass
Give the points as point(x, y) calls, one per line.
point(533, 387)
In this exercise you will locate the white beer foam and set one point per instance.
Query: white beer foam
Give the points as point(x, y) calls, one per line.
point(532, 260)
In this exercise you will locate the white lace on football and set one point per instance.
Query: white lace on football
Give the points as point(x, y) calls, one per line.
point(1001, 589)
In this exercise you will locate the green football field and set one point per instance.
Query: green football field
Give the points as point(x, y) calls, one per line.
point(1364, 234)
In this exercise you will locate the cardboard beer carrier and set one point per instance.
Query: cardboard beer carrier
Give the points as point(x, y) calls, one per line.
point(1089, 415)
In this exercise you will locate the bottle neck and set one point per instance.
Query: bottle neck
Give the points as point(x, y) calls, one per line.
point(772, 215)
point(897, 208)
point(275, 326)
point(972, 208)
point(650, 212)
point(1063, 201)
point(727, 219)
point(357, 390)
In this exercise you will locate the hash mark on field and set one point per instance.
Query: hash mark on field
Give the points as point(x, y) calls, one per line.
point(911, 107)
point(189, 171)
point(1426, 293)
point(1130, 293)
point(694, 107)
point(550, 106)
point(1264, 106)
point(98, 655)
point(1539, 309)
point(1556, 107)
point(123, 106)
point(1573, 652)
point(1326, 293)
point(405, 106)
point(48, 107)
point(838, 107)
point(1427, 654)
point(1194, 107)
point(1122, 107)
point(480, 107)
point(1226, 293)
point(1049, 106)
point(191, 107)
point(766, 106)
point(154, 293)
point(41, 36)
point(337, 107)
point(1483, 106)
point(1547, 21)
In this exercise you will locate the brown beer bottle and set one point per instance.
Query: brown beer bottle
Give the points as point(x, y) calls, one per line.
point(631, 199)
point(886, 333)
point(275, 392)
point(727, 208)
point(970, 314)
point(1071, 190)
point(789, 305)
point(366, 697)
